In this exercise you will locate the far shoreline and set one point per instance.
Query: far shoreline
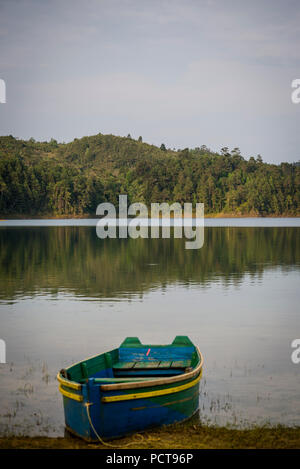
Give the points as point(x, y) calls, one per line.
point(94, 217)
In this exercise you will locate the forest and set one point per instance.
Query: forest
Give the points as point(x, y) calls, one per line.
point(54, 179)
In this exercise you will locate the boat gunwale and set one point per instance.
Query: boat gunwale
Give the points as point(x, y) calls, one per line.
point(70, 395)
point(150, 394)
point(68, 383)
point(134, 385)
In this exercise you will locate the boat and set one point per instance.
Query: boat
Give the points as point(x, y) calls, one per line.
point(131, 388)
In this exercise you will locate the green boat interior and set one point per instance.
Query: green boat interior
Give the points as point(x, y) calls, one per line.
point(136, 361)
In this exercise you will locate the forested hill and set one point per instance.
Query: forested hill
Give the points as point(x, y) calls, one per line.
point(52, 179)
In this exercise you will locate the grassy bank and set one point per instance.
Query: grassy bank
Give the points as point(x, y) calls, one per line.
point(180, 436)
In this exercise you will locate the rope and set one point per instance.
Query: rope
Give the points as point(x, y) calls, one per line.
point(87, 405)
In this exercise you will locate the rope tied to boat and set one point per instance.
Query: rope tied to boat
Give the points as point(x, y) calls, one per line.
point(87, 405)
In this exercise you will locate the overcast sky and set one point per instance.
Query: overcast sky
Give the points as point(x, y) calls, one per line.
point(183, 72)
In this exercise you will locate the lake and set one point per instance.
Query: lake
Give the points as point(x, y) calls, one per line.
point(65, 295)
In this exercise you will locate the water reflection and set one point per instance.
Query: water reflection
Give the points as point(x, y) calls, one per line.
point(39, 260)
point(237, 298)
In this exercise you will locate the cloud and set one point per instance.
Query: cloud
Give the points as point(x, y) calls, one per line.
point(207, 86)
point(165, 63)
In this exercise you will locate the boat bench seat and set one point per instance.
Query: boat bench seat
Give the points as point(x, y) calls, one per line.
point(152, 365)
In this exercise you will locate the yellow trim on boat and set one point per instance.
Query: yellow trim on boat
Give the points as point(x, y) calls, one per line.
point(71, 395)
point(67, 383)
point(144, 395)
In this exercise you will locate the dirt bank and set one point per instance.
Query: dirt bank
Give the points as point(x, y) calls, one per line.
point(181, 436)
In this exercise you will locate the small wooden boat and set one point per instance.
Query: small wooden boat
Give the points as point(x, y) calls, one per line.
point(131, 388)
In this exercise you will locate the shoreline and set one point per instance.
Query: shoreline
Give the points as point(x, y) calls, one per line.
point(177, 436)
point(94, 217)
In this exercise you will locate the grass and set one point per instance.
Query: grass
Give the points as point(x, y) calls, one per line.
point(179, 436)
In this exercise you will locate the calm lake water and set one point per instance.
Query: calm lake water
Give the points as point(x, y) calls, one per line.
point(66, 295)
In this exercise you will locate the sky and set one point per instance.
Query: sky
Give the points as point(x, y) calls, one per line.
point(184, 73)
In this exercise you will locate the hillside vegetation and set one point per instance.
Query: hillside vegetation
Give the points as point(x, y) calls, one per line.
point(71, 179)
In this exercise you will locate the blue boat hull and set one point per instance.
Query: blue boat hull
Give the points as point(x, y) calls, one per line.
point(104, 407)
